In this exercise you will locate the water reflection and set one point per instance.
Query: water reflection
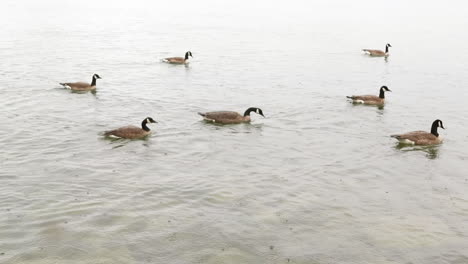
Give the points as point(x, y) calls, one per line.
point(234, 128)
point(249, 128)
point(432, 151)
point(379, 107)
point(116, 142)
point(93, 92)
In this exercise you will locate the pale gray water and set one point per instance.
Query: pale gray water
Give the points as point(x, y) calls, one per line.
point(317, 181)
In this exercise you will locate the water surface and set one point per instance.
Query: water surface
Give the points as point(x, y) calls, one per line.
point(317, 181)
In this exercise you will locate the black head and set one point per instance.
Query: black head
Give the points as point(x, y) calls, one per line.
point(188, 53)
point(388, 45)
point(149, 120)
point(96, 76)
point(254, 109)
point(438, 123)
point(385, 89)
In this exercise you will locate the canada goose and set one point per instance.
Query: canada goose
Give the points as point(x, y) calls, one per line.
point(131, 132)
point(82, 86)
point(378, 53)
point(228, 117)
point(422, 137)
point(371, 99)
point(179, 60)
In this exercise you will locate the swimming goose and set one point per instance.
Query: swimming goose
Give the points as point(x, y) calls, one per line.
point(378, 53)
point(131, 132)
point(179, 60)
point(371, 99)
point(228, 117)
point(422, 137)
point(82, 86)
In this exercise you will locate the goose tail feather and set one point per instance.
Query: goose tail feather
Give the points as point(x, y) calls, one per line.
point(108, 133)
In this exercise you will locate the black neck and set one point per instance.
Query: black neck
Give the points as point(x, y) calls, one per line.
point(247, 112)
point(386, 49)
point(186, 56)
point(93, 83)
point(434, 129)
point(143, 125)
point(382, 94)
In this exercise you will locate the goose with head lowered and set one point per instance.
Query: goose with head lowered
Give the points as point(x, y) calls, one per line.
point(82, 86)
point(422, 137)
point(371, 99)
point(378, 53)
point(230, 117)
point(132, 132)
point(179, 60)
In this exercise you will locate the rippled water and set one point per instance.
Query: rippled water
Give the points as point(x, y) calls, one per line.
point(317, 181)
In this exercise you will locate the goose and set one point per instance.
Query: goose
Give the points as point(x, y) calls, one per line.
point(229, 117)
point(378, 53)
point(179, 60)
point(422, 137)
point(132, 132)
point(371, 99)
point(82, 86)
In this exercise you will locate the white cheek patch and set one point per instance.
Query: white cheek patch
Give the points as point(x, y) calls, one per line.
point(257, 111)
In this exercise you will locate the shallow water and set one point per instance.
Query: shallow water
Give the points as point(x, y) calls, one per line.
point(317, 181)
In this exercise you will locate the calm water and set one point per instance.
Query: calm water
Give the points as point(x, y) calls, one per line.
point(317, 181)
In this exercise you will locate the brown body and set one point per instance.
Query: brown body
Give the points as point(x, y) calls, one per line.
point(175, 60)
point(230, 117)
point(179, 60)
point(371, 99)
point(368, 99)
point(377, 53)
point(79, 86)
point(130, 132)
point(422, 137)
point(82, 86)
point(418, 138)
point(225, 117)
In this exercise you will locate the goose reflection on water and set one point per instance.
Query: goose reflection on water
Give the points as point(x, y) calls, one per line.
point(432, 151)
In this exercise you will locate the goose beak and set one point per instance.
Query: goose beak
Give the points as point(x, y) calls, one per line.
point(262, 115)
